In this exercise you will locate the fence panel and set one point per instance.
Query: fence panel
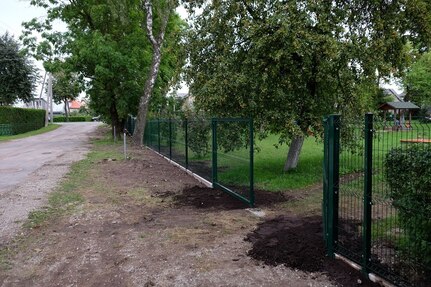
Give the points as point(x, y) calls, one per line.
point(384, 206)
point(218, 150)
point(233, 157)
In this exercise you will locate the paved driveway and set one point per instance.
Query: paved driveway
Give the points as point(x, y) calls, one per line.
point(31, 167)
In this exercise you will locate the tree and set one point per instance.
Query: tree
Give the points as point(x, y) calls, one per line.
point(66, 87)
point(418, 80)
point(165, 9)
point(289, 63)
point(17, 73)
point(108, 48)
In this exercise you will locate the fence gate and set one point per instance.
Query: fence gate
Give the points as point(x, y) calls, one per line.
point(377, 196)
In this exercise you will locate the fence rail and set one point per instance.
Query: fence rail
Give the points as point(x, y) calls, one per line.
point(377, 196)
point(219, 150)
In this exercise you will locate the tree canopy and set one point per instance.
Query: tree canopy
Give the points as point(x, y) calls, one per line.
point(106, 45)
point(418, 81)
point(17, 73)
point(289, 63)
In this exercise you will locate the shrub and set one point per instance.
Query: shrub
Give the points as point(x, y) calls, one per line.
point(408, 172)
point(17, 120)
point(59, 119)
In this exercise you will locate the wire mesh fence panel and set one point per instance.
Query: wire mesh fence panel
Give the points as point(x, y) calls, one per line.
point(14, 129)
point(351, 189)
point(178, 142)
point(164, 140)
point(401, 201)
point(218, 150)
point(233, 153)
point(382, 211)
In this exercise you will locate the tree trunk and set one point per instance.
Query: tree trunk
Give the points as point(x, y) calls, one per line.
point(138, 134)
point(293, 154)
point(65, 110)
point(115, 122)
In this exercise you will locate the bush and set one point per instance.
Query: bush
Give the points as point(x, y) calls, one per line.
point(60, 119)
point(17, 120)
point(408, 172)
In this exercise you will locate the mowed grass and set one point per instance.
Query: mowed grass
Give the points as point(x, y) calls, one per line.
point(43, 130)
point(269, 164)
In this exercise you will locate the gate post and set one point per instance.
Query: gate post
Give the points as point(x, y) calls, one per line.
point(368, 174)
point(333, 178)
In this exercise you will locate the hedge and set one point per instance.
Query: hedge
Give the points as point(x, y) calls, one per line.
point(58, 119)
point(18, 120)
point(408, 172)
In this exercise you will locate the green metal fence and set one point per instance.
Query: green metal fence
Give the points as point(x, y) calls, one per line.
point(14, 129)
point(377, 196)
point(218, 150)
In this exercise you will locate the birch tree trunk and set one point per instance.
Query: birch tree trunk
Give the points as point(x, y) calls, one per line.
point(293, 154)
point(138, 134)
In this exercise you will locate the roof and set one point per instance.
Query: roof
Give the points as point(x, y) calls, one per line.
point(74, 105)
point(393, 93)
point(398, 106)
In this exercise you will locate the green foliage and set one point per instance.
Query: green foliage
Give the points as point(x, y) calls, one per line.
point(16, 120)
point(418, 81)
point(106, 46)
point(58, 119)
point(199, 135)
point(408, 172)
point(287, 64)
point(17, 73)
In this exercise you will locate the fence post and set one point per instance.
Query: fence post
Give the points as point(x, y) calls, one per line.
point(251, 163)
point(186, 136)
point(333, 181)
point(214, 150)
point(325, 183)
point(170, 138)
point(158, 134)
point(368, 173)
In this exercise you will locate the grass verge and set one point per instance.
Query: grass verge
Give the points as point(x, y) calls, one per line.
point(43, 130)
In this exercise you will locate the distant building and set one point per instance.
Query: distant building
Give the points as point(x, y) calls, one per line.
point(36, 103)
point(392, 93)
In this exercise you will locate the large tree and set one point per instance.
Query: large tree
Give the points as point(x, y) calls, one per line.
point(17, 73)
point(106, 43)
point(289, 63)
point(418, 80)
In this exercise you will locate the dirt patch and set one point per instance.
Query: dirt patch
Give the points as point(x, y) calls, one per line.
point(298, 243)
point(208, 198)
point(142, 224)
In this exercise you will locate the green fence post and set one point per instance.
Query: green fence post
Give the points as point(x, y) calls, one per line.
point(214, 150)
point(333, 182)
point(158, 134)
point(251, 163)
point(368, 173)
point(170, 138)
point(325, 183)
point(186, 136)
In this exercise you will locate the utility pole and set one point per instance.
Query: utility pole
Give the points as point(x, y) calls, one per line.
point(50, 97)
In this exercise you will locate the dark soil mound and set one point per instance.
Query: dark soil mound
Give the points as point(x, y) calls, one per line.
point(298, 243)
point(204, 197)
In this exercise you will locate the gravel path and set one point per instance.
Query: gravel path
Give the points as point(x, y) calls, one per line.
point(31, 167)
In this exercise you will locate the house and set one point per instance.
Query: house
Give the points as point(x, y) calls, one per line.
point(36, 103)
point(393, 94)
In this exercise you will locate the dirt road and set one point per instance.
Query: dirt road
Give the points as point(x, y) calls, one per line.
point(31, 167)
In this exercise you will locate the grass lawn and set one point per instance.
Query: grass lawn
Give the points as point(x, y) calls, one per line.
point(49, 128)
